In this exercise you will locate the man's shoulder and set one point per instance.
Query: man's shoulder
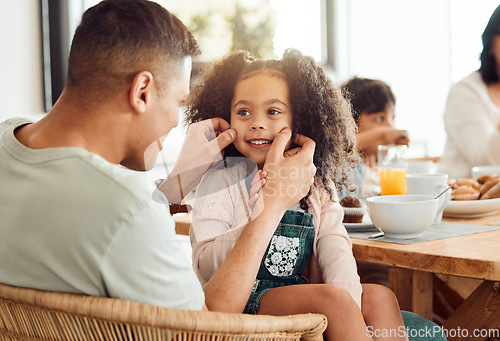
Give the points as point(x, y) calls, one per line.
point(12, 123)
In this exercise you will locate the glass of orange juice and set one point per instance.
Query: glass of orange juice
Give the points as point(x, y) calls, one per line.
point(393, 167)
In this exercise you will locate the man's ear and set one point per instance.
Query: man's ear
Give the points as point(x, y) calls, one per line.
point(141, 91)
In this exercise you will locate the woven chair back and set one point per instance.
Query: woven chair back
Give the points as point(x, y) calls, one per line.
point(28, 314)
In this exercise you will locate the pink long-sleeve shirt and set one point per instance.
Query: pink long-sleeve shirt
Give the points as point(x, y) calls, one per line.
point(221, 212)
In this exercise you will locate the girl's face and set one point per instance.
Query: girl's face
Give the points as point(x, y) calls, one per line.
point(383, 118)
point(260, 109)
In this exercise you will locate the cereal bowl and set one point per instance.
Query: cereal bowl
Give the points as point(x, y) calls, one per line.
point(402, 216)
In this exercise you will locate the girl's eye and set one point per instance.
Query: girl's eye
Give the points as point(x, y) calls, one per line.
point(243, 112)
point(273, 112)
point(379, 119)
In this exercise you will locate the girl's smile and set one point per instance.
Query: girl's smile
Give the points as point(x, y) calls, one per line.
point(260, 109)
point(260, 143)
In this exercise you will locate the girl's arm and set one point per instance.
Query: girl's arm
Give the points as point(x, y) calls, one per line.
point(219, 218)
point(334, 251)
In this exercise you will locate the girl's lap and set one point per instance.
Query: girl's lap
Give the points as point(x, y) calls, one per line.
point(305, 298)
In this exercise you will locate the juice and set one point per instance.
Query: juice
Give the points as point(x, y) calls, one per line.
point(392, 181)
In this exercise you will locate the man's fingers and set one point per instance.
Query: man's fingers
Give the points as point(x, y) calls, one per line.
point(226, 138)
point(280, 141)
point(302, 140)
point(214, 150)
point(293, 151)
point(307, 145)
point(210, 128)
point(219, 124)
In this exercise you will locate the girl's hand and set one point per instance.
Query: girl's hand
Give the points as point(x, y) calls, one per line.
point(258, 182)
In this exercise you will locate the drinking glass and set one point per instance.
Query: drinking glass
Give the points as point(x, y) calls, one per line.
point(392, 167)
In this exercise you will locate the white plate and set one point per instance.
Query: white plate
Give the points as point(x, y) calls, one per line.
point(471, 208)
point(365, 225)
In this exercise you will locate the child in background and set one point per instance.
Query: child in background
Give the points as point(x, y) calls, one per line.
point(260, 98)
point(373, 105)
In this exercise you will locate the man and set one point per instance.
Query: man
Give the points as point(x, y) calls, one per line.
point(73, 220)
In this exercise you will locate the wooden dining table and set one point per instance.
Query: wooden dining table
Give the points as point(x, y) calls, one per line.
point(471, 256)
point(412, 266)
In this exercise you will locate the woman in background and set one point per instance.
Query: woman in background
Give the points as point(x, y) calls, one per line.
point(472, 113)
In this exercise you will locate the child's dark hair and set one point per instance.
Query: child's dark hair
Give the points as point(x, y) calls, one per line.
point(367, 96)
point(320, 112)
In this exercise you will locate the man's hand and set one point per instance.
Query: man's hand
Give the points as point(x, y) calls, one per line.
point(290, 174)
point(203, 145)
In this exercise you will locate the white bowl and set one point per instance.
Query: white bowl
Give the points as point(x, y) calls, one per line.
point(485, 170)
point(402, 216)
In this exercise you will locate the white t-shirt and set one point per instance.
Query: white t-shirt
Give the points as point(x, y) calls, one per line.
point(472, 124)
point(73, 222)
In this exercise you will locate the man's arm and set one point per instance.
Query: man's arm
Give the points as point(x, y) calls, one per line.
point(289, 178)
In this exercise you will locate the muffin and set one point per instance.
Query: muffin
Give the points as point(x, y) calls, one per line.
point(353, 210)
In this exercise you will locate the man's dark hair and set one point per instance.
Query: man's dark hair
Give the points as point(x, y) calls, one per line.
point(367, 96)
point(116, 39)
point(488, 67)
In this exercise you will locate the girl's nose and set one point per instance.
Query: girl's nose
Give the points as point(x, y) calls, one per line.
point(257, 125)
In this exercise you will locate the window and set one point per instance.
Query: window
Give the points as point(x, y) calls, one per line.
point(420, 48)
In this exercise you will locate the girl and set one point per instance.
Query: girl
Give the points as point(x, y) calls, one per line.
point(260, 98)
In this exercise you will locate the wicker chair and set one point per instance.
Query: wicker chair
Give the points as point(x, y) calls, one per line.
point(28, 314)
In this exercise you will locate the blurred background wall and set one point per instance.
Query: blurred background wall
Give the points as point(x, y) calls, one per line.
point(420, 48)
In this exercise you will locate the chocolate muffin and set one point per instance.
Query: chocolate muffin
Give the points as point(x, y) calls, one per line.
point(353, 210)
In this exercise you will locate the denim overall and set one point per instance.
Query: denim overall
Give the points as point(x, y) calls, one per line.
point(286, 257)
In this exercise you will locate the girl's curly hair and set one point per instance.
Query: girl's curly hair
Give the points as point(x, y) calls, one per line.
point(319, 109)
